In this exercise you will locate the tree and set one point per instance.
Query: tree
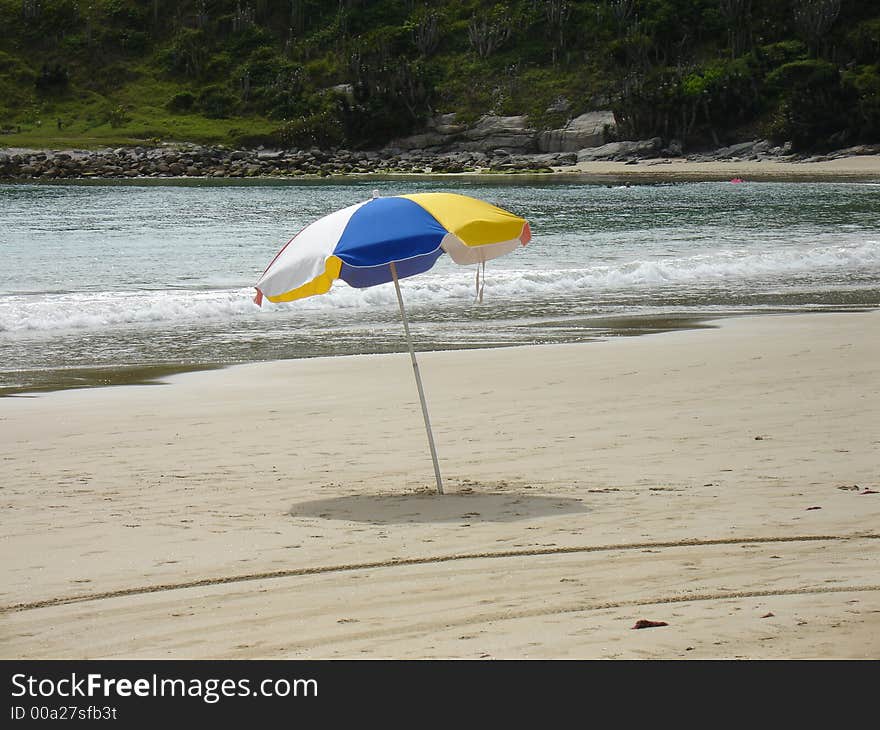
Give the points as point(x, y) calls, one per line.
point(814, 18)
point(490, 31)
point(426, 31)
point(815, 107)
point(557, 13)
point(737, 16)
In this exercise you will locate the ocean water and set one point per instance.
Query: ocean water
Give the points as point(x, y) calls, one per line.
point(104, 283)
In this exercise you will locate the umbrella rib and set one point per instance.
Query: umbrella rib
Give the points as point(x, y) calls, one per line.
point(415, 364)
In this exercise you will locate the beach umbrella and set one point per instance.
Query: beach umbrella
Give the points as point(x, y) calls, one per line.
point(386, 239)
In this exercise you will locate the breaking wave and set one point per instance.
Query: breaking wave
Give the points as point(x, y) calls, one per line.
point(807, 268)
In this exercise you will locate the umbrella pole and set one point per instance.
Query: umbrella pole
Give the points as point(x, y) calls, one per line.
point(415, 364)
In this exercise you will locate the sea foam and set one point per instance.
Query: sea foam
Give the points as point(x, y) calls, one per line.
point(805, 267)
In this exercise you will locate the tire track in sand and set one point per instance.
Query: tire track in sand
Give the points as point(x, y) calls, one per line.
point(424, 627)
point(437, 559)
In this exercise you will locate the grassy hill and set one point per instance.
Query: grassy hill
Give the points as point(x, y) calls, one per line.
point(357, 73)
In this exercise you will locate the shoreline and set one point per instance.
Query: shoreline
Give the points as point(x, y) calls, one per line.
point(608, 327)
point(722, 480)
point(861, 168)
point(194, 163)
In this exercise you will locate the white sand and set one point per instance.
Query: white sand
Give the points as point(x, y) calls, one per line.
point(668, 477)
point(863, 167)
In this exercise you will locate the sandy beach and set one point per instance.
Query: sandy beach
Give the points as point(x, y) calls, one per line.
point(857, 168)
point(723, 481)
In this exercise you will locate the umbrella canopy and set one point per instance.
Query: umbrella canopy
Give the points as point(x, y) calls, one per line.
point(357, 244)
point(386, 239)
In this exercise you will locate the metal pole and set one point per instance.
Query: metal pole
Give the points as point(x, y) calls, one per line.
point(415, 364)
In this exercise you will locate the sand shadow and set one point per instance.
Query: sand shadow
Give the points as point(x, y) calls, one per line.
point(470, 507)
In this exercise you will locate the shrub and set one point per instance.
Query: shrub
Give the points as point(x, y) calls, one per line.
point(321, 129)
point(187, 54)
point(272, 84)
point(865, 85)
point(52, 78)
point(117, 117)
point(814, 106)
point(216, 102)
point(181, 102)
point(864, 41)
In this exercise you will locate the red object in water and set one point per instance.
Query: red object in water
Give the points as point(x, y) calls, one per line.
point(737, 180)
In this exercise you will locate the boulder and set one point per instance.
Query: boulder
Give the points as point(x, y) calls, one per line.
point(587, 130)
point(628, 149)
point(493, 132)
point(446, 124)
point(743, 149)
point(673, 149)
point(444, 134)
point(421, 141)
point(440, 132)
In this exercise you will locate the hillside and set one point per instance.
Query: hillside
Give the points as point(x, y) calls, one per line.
point(357, 73)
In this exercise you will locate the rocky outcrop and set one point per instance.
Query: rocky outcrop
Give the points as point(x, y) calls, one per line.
point(512, 134)
point(588, 130)
point(509, 133)
point(490, 132)
point(626, 150)
point(214, 162)
point(749, 151)
point(441, 132)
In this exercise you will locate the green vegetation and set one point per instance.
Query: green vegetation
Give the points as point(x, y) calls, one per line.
point(357, 73)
